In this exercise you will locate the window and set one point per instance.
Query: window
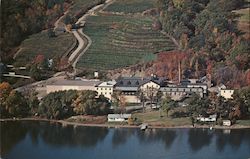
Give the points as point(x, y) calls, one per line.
point(101, 88)
point(105, 88)
point(110, 93)
point(105, 93)
point(109, 88)
point(96, 88)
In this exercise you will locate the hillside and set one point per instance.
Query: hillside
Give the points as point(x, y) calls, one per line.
point(120, 40)
point(19, 19)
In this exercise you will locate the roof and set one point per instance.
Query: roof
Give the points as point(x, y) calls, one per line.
point(76, 83)
point(107, 84)
point(126, 88)
point(137, 81)
point(119, 115)
point(180, 89)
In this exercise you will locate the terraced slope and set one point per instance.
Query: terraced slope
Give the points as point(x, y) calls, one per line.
point(120, 41)
point(130, 6)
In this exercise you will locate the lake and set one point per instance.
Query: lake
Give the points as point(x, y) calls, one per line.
point(44, 140)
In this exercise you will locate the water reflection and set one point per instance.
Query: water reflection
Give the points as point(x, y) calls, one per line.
point(120, 136)
point(234, 138)
point(167, 136)
point(198, 138)
point(53, 134)
point(11, 134)
point(88, 138)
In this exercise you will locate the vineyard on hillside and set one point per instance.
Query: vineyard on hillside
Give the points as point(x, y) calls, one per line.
point(41, 44)
point(130, 6)
point(120, 41)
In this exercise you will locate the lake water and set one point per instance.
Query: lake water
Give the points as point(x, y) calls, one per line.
point(43, 140)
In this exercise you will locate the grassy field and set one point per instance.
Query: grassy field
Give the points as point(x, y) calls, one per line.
point(40, 43)
point(120, 41)
point(154, 118)
point(130, 6)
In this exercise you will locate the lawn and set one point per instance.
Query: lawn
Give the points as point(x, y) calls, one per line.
point(120, 41)
point(130, 6)
point(154, 118)
point(40, 43)
point(243, 122)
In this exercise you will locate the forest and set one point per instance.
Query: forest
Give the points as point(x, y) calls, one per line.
point(208, 41)
point(19, 19)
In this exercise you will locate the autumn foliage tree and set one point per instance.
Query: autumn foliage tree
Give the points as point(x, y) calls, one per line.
point(196, 25)
point(13, 103)
point(167, 63)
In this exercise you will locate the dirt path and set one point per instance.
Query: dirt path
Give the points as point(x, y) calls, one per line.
point(56, 25)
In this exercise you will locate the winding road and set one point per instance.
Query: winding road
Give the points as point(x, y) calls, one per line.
point(84, 41)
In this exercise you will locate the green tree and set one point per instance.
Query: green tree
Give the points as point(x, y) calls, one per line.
point(58, 105)
point(17, 105)
point(198, 106)
point(241, 100)
point(167, 104)
point(35, 72)
point(87, 104)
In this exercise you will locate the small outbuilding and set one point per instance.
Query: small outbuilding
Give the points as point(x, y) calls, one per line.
point(118, 117)
point(226, 123)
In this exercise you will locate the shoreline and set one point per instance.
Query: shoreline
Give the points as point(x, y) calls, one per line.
point(120, 125)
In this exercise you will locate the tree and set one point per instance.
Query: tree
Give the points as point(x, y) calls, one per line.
point(87, 104)
point(141, 96)
point(167, 104)
point(198, 106)
point(241, 102)
point(5, 90)
point(119, 101)
point(58, 105)
point(16, 105)
point(33, 102)
point(35, 72)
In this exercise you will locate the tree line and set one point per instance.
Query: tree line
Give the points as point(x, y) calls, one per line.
point(236, 108)
point(56, 105)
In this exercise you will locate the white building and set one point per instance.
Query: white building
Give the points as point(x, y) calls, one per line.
point(211, 118)
point(62, 85)
point(227, 93)
point(226, 123)
point(118, 117)
point(106, 89)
